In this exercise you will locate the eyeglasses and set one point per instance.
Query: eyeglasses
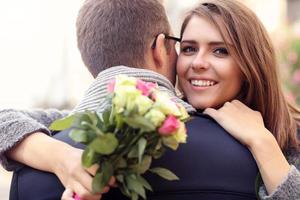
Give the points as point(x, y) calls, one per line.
point(167, 37)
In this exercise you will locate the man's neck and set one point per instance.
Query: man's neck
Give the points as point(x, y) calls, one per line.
point(97, 92)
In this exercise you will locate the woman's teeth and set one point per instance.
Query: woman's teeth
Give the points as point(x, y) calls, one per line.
point(202, 83)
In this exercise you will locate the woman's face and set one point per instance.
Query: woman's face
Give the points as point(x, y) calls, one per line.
point(207, 73)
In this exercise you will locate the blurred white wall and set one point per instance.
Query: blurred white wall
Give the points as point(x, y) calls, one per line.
point(39, 60)
point(271, 12)
point(38, 55)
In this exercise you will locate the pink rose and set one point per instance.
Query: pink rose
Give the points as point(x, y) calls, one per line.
point(169, 126)
point(111, 86)
point(145, 87)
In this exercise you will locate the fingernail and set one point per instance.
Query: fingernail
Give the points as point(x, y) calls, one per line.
point(75, 196)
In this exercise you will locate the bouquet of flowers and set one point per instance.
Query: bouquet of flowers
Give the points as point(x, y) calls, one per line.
point(140, 123)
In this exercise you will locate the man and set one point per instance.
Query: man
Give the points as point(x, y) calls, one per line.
point(110, 33)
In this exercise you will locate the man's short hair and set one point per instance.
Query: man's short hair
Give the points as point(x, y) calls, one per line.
point(118, 32)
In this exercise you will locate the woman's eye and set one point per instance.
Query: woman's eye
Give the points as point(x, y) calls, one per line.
point(188, 49)
point(221, 51)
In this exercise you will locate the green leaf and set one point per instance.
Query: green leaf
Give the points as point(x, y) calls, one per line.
point(119, 122)
point(143, 166)
point(100, 123)
point(102, 179)
point(121, 163)
point(107, 170)
point(112, 115)
point(164, 173)
point(93, 117)
point(62, 124)
point(134, 185)
point(141, 148)
point(82, 120)
point(158, 144)
point(105, 144)
point(139, 122)
point(158, 153)
point(105, 116)
point(124, 189)
point(170, 142)
point(133, 153)
point(78, 135)
point(120, 178)
point(88, 157)
point(134, 196)
point(91, 135)
point(144, 182)
point(97, 183)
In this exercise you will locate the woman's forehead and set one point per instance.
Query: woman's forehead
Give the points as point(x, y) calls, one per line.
point(200, 27)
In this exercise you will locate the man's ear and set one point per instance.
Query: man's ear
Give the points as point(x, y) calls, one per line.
point(160, 51)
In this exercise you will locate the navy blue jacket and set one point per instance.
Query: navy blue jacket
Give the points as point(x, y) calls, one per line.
point(211, 166)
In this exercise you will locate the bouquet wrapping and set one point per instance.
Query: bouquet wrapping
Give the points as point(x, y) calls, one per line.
point(137, 127)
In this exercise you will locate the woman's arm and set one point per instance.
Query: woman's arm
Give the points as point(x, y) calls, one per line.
point(25, 138)
point(247, 126)
point(16, 125)
point(289, 188)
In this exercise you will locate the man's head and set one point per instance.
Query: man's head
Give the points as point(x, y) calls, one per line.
point(121, 32)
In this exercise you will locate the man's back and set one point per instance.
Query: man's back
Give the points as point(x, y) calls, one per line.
point(212, 165)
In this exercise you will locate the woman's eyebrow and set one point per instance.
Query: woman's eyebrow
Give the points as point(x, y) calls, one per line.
point(215, 43)
point(219, 43)
point(211, 43)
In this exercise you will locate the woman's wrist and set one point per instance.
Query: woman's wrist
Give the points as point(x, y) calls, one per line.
point(64, 154)
point(270, 160)
point(265, 140)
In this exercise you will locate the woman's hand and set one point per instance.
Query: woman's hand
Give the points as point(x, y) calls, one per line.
point(247, 126)
point(68, 195)
point(243, 123)
point(76, 178)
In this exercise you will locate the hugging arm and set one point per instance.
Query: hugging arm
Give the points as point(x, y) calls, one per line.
point(289, 188)
point(280, 175)
point(16, 126)
point(25, 139)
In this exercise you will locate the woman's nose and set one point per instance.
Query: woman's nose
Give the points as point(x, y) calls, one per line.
point(200, 62)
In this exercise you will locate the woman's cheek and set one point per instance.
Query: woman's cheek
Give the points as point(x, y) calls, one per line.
point(181, 66)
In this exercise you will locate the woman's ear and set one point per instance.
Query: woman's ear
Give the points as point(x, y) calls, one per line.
point(160, 51)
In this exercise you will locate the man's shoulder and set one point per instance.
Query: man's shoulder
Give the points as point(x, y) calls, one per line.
point(199, 119)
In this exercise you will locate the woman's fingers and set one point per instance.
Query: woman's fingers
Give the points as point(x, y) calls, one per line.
point(85, 179)
point(84, 194)
point(79, 179)
point(112, 182)
point(88, 180)
point(243, 123)
point(211, 112)
point(67, 195)
point(93, 169)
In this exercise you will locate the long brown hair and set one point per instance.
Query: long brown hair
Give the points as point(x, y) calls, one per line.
point(253, 51)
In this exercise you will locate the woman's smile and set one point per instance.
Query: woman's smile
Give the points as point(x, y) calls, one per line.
point(207, 73)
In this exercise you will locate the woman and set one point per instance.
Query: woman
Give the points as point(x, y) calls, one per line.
point(227, 69)
point(204, 73)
